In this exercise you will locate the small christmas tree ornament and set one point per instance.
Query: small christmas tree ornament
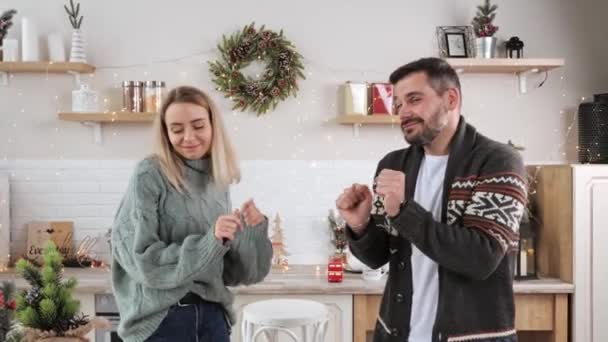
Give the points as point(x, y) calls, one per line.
point(48, 310)
point(279, 251)
point(485, 30)
point(77, 53)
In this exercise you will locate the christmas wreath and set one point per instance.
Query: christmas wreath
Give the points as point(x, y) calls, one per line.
point(279, 79)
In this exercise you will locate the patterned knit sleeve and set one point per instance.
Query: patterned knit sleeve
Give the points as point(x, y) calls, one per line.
point(497, 203)
point(483, 217)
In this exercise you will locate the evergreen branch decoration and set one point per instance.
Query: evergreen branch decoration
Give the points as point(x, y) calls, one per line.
point(279, 79)
point(6, 21)
point(48, 305)
point(7, 310)
point(483, 20)
point(73, 12)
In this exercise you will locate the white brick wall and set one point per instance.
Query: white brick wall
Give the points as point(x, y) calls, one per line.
point(89, 191)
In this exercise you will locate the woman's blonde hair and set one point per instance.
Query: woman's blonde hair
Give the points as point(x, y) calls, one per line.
point(224, 163)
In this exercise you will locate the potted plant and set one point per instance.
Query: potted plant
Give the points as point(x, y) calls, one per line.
point(485, 29)
point(6, 21)
point(77, 53)
point(47, 310)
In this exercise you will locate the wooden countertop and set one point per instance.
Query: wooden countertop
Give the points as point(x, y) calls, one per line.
point(298, 279)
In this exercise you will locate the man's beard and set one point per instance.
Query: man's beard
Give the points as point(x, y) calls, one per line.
point(436, 123)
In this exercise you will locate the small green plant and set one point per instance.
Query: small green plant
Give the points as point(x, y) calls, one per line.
point(6, 21)
point(48, 305)
point(482, 23)
point(73, 12)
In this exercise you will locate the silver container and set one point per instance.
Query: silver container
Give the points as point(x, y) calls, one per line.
point(127, 96)
point(153, 96)
point(486, 47)
point(138, 96)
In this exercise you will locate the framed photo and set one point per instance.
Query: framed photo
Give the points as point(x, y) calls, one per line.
point(456, 41)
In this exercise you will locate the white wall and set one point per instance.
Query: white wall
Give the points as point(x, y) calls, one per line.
point(340, 40)
point(89, 191)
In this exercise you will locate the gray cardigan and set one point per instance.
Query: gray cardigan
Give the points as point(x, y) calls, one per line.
point(484, 197)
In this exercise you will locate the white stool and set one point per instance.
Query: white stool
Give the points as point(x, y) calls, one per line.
point(280, 315)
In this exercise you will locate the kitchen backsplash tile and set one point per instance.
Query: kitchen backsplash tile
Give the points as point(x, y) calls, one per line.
point(88, 192)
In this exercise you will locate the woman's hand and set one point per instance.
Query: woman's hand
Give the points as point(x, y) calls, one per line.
point(250, 214)
point(226, 226)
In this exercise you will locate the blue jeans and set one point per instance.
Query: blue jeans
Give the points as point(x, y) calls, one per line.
point(202, 322)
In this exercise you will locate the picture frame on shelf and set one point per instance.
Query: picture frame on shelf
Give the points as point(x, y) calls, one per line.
point(456, 41)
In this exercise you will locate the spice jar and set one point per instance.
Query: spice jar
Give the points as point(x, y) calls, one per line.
point(127, 96)
point(138, 96)
point(153, 94)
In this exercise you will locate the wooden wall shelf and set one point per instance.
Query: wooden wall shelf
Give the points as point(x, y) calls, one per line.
point(74, 69)
point(504, 65)
point(46, 67)
point(95, 120)
point(377, 119)
point(108, 117)
point(521, 67)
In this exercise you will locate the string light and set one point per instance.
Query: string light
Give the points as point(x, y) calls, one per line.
point(333, 72)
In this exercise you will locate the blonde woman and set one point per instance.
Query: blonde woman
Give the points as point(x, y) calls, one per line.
point(176, 242)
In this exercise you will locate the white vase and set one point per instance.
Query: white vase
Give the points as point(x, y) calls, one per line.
point(77, 53)
point(56, 47)
point(10, 50)
point(30, 48)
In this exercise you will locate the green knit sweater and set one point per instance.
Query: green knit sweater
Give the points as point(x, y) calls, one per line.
point(163, 246)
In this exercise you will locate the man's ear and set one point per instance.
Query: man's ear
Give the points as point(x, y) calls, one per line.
point(452, 98)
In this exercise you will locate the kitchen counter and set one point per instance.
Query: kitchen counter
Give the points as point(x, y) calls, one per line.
point(541, 305)
point(298, 279)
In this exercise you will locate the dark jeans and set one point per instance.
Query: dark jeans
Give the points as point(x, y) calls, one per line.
point(202, 322)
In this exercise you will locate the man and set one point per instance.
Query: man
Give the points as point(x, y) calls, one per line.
point(446, 218)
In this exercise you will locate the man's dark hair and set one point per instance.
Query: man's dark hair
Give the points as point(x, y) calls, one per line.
point(440, 73)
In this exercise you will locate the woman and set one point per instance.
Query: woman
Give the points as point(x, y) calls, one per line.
point(176, 242)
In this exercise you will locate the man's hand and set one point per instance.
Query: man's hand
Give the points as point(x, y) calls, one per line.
point(355, 205)
point(390, 184)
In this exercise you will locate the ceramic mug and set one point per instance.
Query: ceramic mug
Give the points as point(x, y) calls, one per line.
point(374, 274)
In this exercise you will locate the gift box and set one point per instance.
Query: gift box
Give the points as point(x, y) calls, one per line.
point(335, 270)
point(382, 98)
point(355, 98)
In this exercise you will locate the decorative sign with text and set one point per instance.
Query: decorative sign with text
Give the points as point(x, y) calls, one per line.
point(40, 232)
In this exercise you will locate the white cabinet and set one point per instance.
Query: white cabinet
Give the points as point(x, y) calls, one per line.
point(340, 328)
point(590, 309)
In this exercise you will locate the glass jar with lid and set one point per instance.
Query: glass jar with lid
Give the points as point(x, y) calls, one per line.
point(153, 94)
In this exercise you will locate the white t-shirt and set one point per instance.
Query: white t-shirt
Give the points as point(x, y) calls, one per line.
point(425, 275)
